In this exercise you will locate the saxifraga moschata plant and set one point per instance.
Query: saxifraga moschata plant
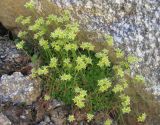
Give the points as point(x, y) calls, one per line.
point(73, 72)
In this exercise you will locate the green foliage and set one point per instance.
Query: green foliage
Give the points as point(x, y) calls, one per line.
point(72, 71)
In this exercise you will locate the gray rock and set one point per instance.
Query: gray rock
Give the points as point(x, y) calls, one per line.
point(11, 59)
point(46, 121)
point(4, 120)
point(55, 104)
point(18, 88)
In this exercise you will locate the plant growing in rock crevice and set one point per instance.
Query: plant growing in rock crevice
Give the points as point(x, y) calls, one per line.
point(73, 72)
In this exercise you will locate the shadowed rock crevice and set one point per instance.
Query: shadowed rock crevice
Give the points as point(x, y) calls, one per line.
point(5, 32)
point(11, 59)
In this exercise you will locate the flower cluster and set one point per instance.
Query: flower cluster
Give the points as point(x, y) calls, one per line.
point(51, 18)
point(108, 122)
point(142, 117)
point(19, 19)
point(58, 33)
point(104, 84)
point(71, 118)
point(82, 62)
point(40, 71)
point(119, 71)
point(70, 46)
point(26, 20)
point(125, 103)
point(38, 25)
point(139, 78)
point(109, 40)
point(79, 99)
point(43, 70)
point(133, 59)
point(30, 5)
point(104, 60)
point(118, 88)
point(65, 77)
point(47, 97)
point(22, 34)
point(44, 43)
point(20, 45)
point(67, 62)
point(87, 46)
point(53, 62)
point(90, 117)
point(119, 53)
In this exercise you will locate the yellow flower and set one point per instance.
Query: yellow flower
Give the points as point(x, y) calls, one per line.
point(139, 78)
point(33, 73)
point(119, 53)
point(53, 62)
point(22, 34)
point(104, 61)
point(20, 45)
point(87, 46)
point(125, 103)
point(19, 19)
point(118, 88)
point(56, 46)
point(65, 77)
point(104, 84)
point(82, 62)
point(102, 54)
point(67, 63)
point(133, 59)
point(142, 117)
point(70, 46)
point(71, 118)
point(26, 20)
point(43, 70)
point(44, 43)
point(119, 71)
point(47, 97)
point(58, 33)
point(89, 117)
point(80, 98)
point(109, 40)
point(37, 25)
point(108, 122)
point(126, 109)
point(30, 5)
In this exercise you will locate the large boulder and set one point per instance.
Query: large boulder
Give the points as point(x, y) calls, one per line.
point(133, 24)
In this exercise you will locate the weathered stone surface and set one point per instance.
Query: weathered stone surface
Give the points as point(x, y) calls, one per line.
point(4, 120)
point(18, 88)
point(133, 24)
point(11, 59)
